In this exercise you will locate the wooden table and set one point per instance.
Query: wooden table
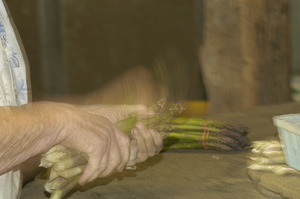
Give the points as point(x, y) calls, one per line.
point(186, 174)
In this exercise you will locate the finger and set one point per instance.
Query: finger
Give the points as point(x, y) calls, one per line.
point(124, 142)
point(119, 153)
point(111, 168)
point(125, 111)
point(113, 162)
point(134, 149)
point(141, 111)
point(142, 153)
point(150, 144)
point(158, 140)
point(101, 169)
point(96, 164)
point(125, 153)
point(88, 173)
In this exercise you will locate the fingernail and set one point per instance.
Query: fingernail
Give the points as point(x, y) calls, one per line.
point(131, 167)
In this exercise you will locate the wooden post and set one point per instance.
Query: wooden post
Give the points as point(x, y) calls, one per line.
point(245, 57)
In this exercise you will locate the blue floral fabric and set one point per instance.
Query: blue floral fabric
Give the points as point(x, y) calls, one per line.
point(13, 89)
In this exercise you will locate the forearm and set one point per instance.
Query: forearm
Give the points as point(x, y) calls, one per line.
point(25, 132)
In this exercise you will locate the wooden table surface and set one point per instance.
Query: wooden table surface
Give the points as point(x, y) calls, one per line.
point(185, 174)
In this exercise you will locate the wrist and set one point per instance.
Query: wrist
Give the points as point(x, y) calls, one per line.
point(48, 121)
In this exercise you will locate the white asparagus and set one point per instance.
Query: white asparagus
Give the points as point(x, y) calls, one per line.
point(70, 173)
point(57, 156)
point(57, 183)
point(48, 188)
point(266, 146)
point(58, 194)
point(278, 169)
point(273, 153)
point(69, 163)
point(53, 174)
point(270, 157)
point(44, 163)
point(56, 148)
point(271, 160)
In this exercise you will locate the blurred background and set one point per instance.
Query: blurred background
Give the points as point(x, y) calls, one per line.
point(235, 53)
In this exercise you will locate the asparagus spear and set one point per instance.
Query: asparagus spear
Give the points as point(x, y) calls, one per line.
point(58, 194)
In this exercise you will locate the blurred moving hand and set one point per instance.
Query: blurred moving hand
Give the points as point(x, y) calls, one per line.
point(136, 86)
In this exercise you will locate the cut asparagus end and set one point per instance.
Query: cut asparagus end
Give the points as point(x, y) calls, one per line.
point(58, 194)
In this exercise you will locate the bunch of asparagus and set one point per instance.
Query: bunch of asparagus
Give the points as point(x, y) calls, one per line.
point(197, 133)
point(66, 165)
point(268, 156)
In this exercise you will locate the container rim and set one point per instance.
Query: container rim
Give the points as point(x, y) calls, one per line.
point(280, 122)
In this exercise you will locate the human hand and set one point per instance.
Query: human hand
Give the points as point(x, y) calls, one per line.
point(145, 142)
point(106, 147)
point(148, 143)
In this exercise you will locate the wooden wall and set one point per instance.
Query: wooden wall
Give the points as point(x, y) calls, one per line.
point(76, 46)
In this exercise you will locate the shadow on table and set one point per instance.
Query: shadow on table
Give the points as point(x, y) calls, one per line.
point(119, 176)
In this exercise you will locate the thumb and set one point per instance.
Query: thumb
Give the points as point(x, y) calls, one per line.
point(137, 110)
point(120, 112)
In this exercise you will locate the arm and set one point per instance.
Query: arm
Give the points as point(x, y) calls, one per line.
point(34, 128)
point(25, 132)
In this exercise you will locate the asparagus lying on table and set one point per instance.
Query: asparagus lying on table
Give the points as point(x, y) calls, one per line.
point(66, 165)
point(268, 156)
point(205, 134)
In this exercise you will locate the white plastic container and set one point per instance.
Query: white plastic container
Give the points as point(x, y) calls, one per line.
point(289, 133)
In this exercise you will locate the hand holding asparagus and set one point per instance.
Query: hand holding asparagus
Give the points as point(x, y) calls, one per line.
point(67, 165)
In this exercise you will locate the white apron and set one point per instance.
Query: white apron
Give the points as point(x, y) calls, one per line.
point(13, 87)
